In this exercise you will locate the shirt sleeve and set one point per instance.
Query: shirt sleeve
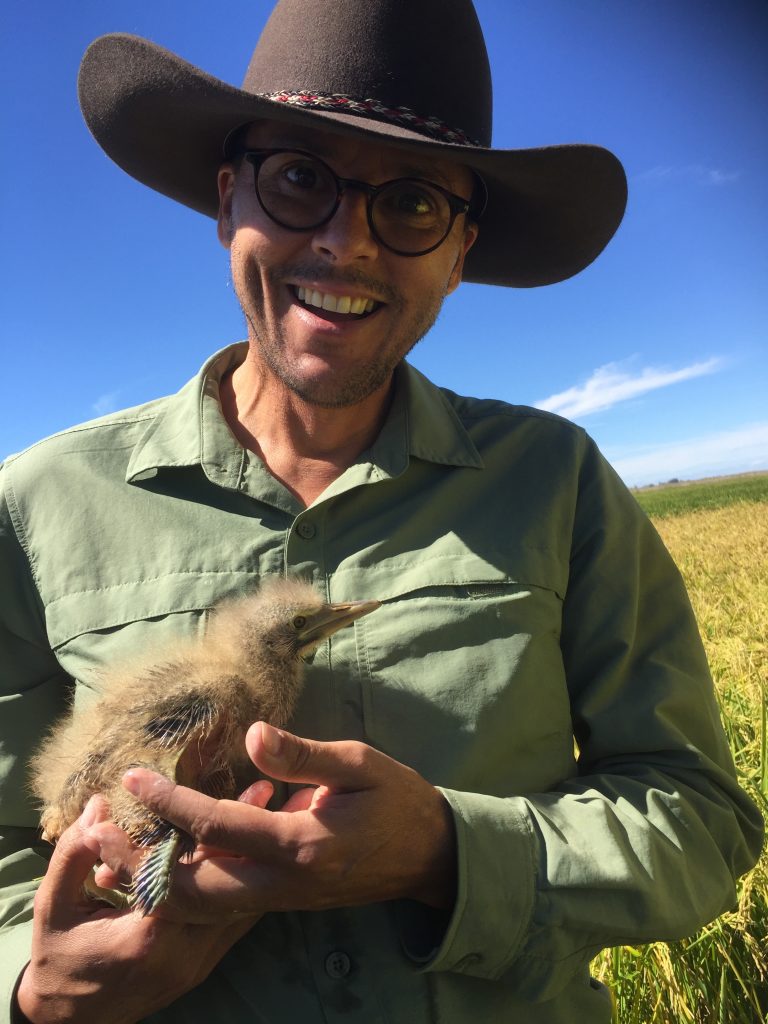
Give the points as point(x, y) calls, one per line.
point(646, 841)
point(33, 692)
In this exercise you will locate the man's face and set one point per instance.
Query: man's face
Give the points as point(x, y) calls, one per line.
point(336, 359)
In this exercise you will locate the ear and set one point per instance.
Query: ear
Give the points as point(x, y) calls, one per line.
point(470, 236)
point(224, 224)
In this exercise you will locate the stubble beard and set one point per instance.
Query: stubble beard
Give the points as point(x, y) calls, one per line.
point(359, 382)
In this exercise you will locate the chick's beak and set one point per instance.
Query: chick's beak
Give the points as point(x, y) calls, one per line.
point(329, 620)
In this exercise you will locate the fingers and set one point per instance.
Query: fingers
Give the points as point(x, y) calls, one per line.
point(343, 765)
point(120, 857)
point(258, 794)
point(227, 824)
point(97, 809)
point(73, 858)
point(301, 800)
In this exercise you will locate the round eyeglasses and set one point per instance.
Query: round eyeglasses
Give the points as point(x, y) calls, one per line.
point(300, 192)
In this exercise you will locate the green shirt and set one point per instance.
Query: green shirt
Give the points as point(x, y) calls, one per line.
point(526, 600)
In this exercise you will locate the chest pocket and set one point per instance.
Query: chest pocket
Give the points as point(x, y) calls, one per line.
point(463, 679)
point(96, 630)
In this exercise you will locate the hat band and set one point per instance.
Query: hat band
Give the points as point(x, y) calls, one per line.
point(431, 126)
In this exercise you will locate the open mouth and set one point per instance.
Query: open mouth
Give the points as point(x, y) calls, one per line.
point(336, 308)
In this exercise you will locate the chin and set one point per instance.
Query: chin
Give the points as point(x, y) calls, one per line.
point(334, 392)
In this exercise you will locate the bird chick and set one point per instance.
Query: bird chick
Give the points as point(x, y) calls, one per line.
point(184, 712)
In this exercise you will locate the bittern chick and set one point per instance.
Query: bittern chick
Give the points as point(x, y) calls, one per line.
point(185, 713)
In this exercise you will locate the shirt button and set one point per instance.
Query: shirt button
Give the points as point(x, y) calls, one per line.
point(306, 530)
point(337, 964)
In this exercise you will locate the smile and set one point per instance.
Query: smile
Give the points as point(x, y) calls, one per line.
point(356, 305)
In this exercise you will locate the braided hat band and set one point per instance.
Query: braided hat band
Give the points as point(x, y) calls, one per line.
point(430, 126)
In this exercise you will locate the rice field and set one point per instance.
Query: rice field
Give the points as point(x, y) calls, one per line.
point(720, 543)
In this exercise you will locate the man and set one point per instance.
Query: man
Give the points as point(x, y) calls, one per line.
point(441, 854)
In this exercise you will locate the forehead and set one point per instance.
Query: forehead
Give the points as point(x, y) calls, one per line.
point(369, 159)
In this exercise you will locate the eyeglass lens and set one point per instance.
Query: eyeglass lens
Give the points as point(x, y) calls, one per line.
point(301, 192)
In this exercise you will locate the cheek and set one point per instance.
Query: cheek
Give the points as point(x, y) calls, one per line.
point(242, 208)
point(249, 251)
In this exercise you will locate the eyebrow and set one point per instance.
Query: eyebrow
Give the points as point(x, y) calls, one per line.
point(324, 149)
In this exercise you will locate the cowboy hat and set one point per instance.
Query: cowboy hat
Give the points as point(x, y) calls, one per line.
point(412, 74)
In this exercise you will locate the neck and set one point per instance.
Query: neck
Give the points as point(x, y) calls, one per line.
point(304, 446)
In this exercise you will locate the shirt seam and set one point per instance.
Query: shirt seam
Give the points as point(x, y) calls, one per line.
point(147, 579)
point(508, 412)
point(81, 428)
point(21, 535)
point(435, 558)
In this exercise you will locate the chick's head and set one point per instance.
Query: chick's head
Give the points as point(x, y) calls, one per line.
point(284, 622)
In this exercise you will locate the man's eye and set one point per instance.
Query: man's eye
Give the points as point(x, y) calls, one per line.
point(301, 175)
point(414, 203)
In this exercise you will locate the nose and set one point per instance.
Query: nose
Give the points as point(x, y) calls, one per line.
point(346, 237)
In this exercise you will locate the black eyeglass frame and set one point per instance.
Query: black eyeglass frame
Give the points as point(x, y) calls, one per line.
point(456, 204)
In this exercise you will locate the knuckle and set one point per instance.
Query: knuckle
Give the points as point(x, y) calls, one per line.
point(307, 857)
point(302, 755)
point(357, 756)
point(206, 825)
point(204, 830)
point(317, 855)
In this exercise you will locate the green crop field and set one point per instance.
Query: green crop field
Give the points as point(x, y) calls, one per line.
point(717, 532)
point(673, 498)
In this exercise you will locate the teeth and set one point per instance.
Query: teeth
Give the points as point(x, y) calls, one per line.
point(335, 303)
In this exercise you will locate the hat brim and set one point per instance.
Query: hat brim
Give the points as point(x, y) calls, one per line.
point(550, 210)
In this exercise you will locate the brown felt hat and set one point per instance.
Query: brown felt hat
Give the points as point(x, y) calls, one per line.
point(409, 73)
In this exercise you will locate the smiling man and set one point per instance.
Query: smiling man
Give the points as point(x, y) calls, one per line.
point(427, 843)
point(332, 301)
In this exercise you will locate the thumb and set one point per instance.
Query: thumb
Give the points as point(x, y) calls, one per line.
point(343, 765)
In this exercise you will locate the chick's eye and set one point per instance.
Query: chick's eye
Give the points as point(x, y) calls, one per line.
point(299, 622)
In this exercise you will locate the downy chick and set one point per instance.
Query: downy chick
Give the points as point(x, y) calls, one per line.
point(185, 713)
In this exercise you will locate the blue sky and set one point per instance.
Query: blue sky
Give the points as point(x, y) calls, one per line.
point(113, 294)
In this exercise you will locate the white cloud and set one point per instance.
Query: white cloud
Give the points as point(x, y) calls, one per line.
point(730, 451)
point(609, 385)
point(696, 173)
point(105, 403)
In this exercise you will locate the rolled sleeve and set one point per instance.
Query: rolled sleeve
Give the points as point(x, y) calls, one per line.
point(495, 886)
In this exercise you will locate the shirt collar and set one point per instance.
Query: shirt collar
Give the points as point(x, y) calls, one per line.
point(190, 429)
point(436, 431)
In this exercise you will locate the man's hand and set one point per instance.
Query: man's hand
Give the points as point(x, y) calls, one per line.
point(91, 963)
point(371, 830)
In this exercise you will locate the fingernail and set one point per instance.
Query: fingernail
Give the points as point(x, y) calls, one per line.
point(131, 783)
point(272, 739)
point(90, 813)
